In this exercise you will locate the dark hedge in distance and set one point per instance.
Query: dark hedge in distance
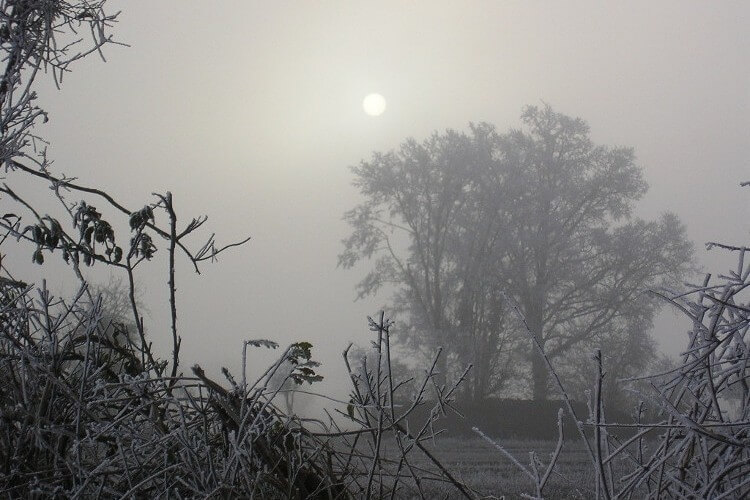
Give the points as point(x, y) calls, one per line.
point(515, 418)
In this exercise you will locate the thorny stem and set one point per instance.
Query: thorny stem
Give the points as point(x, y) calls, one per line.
point(176, 340)
point(601, 484)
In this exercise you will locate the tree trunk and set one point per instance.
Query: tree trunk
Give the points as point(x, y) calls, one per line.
point(539, 375)
point(481, 376)
point(441, 377)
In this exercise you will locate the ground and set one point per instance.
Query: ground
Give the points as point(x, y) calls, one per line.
point(490, 473)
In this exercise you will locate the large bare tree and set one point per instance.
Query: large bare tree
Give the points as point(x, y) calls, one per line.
point(465, 224)
point(412, 200)
point(573, 256)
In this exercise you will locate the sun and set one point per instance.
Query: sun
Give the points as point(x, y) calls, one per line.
point(374, 104)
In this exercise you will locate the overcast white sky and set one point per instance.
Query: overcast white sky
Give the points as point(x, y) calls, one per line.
point(251, 112)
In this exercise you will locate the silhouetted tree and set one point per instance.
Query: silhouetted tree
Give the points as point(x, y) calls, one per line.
point(573, 256)
point(539, 217)
point(413, 222)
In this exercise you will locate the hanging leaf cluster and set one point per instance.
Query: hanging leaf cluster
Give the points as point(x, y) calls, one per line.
point(141, 244)
point(44, 235)
point(94, 233)
point(300, 356)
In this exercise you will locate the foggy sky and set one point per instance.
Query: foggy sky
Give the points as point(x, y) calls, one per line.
point(250, 112)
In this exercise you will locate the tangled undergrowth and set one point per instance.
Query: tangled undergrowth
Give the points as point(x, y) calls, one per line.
point(85, 415)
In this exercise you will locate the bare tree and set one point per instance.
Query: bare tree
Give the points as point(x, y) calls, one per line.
point(419, 202)
point(542, 215)
point(575, 271)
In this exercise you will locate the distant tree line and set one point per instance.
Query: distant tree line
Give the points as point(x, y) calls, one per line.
point(480, 231)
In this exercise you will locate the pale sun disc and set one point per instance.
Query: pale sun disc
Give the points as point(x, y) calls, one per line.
point(374, 104)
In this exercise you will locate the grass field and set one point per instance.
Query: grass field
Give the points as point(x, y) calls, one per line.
point(490, 474)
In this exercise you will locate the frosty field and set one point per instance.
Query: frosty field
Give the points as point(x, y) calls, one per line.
point(491, 475)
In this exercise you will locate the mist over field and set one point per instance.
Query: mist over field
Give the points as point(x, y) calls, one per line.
point(480, 171)
point(252, 114)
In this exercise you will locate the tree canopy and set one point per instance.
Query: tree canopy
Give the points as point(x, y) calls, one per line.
point(541, 218)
